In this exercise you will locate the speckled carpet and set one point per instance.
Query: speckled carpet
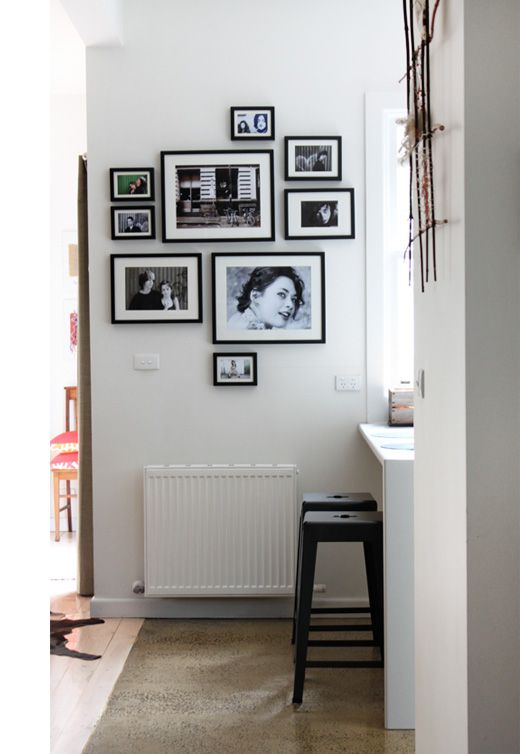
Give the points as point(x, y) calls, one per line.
point(225, 687)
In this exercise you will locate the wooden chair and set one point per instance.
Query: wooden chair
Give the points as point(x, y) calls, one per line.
point(65, 462)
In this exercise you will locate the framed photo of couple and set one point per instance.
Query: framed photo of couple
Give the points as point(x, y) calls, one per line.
point(313, 158)
point(156, 288)
point(132, 184)
point(321, 213)
point(268, 297)
point(213, 196)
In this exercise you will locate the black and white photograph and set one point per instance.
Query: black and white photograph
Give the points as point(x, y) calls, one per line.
point(156, 288)
point(319, 213)
point(217, 196)
point(252, 123)
point(132, 222)
point(266, 297)
point(313, 158)
point(132, 184)
point(234, 369)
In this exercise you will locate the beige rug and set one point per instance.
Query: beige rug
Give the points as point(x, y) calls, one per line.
point(220, 687)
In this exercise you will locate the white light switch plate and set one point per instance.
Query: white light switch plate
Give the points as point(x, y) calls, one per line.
point(146, 361)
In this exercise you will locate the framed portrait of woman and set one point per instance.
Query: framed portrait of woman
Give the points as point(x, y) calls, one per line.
point(268, 297)
point(320, 213)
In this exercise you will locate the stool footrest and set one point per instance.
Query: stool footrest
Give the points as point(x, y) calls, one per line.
point(344, 664)
point(342, 643)
point(333, 610)
point(364, 627)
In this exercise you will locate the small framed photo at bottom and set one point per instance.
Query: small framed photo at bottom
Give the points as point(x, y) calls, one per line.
point(234, 369)
point(321, 213)
point(132, 222)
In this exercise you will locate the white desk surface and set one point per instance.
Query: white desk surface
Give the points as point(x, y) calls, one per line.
point(393, 448)
point(389, 443)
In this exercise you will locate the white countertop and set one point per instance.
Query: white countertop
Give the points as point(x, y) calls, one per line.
point(389, 443)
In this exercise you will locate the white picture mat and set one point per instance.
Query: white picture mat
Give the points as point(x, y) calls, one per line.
point(224, 333)
point(344, 226)
point(291, 161)
point(174, 161)
point(248, 116)
point(122, 314)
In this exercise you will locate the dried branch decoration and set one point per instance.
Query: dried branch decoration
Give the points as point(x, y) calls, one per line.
point(416, 147)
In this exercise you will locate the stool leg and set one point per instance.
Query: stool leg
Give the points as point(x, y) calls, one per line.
point(374, 569)
point(303, 616)
point(297, 580)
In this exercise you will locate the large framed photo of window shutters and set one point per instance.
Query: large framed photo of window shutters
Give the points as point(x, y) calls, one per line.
point(213, 196)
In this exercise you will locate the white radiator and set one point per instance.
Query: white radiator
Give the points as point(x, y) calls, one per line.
point(220, 530)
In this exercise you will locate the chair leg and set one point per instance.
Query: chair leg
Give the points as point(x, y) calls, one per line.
point(56, 484)
point(303, 617)
point(69, 505)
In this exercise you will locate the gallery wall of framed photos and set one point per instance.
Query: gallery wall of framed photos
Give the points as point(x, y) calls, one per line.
point(228, 195)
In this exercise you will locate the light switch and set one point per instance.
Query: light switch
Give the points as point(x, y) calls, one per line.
point(146, 361)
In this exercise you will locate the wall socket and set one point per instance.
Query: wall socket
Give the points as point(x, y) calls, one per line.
point(348, 382)
point(319, 588)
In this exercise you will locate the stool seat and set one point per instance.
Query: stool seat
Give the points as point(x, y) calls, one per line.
point(341, 501)
point(338, 526)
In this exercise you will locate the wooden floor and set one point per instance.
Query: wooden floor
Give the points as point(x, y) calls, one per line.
point(80, 688)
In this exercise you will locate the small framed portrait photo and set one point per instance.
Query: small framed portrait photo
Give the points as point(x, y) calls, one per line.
point(321, 213)
point(313, 158)
point(132, 184)
point(132, 222)
point(269, 297)
point(156, 288)
point(252, 123)
point(234, 369)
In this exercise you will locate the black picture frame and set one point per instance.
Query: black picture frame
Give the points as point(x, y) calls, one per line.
point(252, 304)
point(250, 118)
point(305, 154)
point(217, 195)
point(235, 369)
point(319, 213)
point(182, 271)
point(121, 180)
point(142, 218)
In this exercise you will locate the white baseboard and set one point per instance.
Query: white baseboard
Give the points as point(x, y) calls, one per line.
point(160, 607)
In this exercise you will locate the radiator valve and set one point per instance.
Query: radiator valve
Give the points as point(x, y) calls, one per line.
point(138, 587)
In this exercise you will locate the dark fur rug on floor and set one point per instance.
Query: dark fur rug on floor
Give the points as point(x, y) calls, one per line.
point(61, 628)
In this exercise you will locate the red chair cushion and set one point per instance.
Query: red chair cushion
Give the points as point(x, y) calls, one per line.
point(66, 442)
point(67, 461)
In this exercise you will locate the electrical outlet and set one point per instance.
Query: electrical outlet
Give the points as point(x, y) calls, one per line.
point(350, 382)
point(319, 588)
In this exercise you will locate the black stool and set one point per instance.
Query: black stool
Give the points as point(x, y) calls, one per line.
point(329, 526)
point(325, 501)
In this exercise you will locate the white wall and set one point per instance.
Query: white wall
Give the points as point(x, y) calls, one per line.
point(467, 426)
point(68, 140)
point(170, 87)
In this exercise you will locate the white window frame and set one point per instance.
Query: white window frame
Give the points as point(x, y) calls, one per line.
point(382, 109)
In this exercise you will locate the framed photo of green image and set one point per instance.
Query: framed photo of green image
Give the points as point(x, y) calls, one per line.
point(132, 184)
